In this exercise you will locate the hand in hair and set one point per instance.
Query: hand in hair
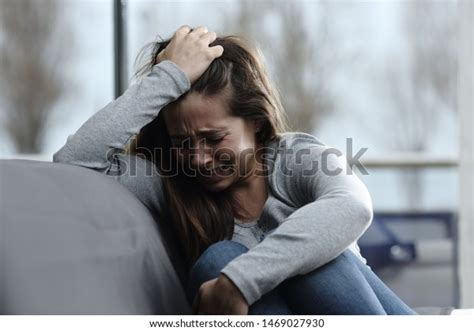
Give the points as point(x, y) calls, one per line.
point(219, 296)
point(189, 49)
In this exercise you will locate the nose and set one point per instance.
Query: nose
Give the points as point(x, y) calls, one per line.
point(201, 157)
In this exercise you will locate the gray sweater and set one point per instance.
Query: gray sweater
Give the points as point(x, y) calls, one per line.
point(310, 217)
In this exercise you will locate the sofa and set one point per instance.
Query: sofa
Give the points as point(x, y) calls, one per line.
point(73, 241)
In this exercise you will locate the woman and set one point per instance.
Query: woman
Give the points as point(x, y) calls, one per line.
point(268, 219)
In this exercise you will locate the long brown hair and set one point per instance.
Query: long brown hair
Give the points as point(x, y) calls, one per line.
point(200, 217)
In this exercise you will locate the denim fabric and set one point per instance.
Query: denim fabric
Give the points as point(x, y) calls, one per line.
point(213, 260)
point(344, 286)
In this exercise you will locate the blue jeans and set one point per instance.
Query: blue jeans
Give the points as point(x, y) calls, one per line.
point(343, 286)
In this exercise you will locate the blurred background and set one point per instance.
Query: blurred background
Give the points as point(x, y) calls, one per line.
point(382, 73)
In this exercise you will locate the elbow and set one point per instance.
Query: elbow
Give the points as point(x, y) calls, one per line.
point(363, 214)
point(57, 157)
point(366, 215)
point(60, 156)
point(64, 155)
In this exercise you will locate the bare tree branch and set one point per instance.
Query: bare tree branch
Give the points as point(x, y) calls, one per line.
point(424, 87)
point(33, 44)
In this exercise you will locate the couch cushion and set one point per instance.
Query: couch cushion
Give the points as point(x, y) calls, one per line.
point(73, 241)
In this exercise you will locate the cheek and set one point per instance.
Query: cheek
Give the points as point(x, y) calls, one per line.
point(246, 150)
point(240, 145)
point(238, 151)
point(242, 157)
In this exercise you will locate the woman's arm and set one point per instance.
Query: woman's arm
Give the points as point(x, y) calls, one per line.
point(100, 142)
point(107, 133)
point(340, 211)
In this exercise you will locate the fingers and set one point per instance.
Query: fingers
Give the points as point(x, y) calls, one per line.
point(209, 37)
point(216, 51)
point(205, 35)
point(190, 50)
point(199, 31)
point(183, 30)
point(186, 29)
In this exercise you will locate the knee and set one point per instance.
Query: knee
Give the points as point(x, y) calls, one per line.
point(335, 271)
point(210, 263)
point(347, 260)
point(216, 257)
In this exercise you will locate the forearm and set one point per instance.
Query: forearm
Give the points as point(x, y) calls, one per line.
point(309, 238)
point(110, 129)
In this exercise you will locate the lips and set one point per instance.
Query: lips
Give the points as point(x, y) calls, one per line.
point(215, 172)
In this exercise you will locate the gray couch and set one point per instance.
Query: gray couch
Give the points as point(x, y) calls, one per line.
point(73, 241)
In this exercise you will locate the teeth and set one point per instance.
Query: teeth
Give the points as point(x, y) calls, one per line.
point(217, 170)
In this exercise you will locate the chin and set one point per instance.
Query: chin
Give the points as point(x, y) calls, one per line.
point(217, 186)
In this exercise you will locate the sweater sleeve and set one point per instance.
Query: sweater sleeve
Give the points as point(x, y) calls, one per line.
point(100, 142)
point(338, 213)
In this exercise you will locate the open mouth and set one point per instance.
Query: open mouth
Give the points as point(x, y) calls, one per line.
point(216, 173)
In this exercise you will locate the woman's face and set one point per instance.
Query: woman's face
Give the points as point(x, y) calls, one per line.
point(209, 143)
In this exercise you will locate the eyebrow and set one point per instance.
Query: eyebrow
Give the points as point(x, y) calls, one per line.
point(201, 132)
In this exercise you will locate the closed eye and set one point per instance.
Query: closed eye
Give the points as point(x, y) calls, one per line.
point(185, 143)
point(214, 140)
point(180, 142)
